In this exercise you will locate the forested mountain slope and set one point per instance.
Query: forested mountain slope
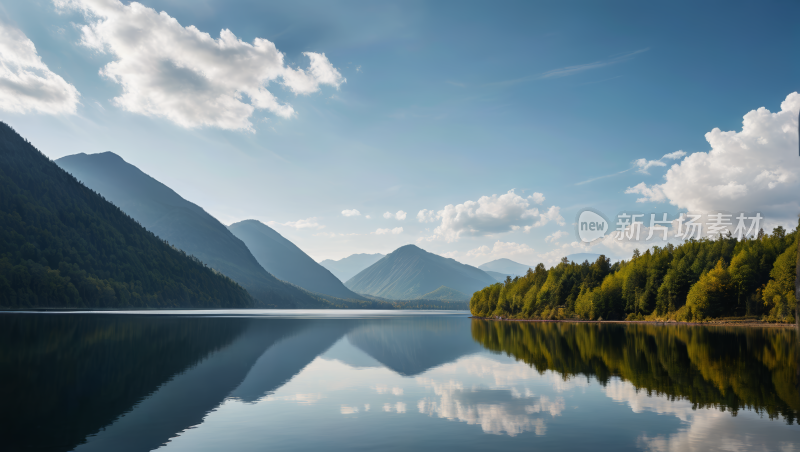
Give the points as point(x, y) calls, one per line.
point(183, 224)
point(64, 246)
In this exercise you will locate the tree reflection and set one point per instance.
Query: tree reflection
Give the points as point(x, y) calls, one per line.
point(726, 368)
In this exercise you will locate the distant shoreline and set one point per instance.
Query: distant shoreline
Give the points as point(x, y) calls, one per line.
point(751, 324)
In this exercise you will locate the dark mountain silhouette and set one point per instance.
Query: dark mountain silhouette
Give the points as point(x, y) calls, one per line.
point(183, 224)
point(506, 267)
point(62, 245)
point(350, 266)
point(286, 261)
point(445, 294)
point(410, 272)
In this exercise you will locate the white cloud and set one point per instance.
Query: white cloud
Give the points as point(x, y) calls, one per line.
point(552, 238)
point(384, 231)
point(652, 193)
point(427, 216)
point(491, 215)
point(308, 223)
point(537, 198)
point(368, 217)
point(677, 155)
point(26, 83)
point(351, 213)
point(552, 214)
point(450, 254)
point(753, 170)
point(185, 75)
point(643, 165)
point(400, 215)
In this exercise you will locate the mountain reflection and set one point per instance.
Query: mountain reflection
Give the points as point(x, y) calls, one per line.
point(90, 382)
point(726, 368)
point(117, 382)
point(410, 346)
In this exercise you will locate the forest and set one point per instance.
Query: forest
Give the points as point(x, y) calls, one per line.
point(64, 246)
point(695, 281)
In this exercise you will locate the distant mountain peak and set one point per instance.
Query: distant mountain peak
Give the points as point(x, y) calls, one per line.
point(410, 272)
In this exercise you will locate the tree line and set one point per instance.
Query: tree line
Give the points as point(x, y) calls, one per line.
point(697, 280)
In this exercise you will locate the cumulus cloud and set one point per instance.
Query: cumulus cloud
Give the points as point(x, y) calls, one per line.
point(537, 198)
point(26, 83)
point(427, 216)
point(185, 75)
point(308, 223)
point(752, 170)
point(400, 215)
point(652, 193)
point(552, 238)
point(491, 215)
point(384, 231)
point(351, 213)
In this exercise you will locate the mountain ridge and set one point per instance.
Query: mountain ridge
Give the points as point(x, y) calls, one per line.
point(287, 262)
point(410, 272)
point(184, 224)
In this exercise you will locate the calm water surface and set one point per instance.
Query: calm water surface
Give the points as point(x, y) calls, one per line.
point(367, 380)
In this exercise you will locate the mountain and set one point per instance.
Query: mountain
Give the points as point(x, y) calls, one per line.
point(445, 294)
point(410, 272)
point(500, 277)
point(286, 261)
point(506, 267)
point(64, 246)
point(350, 266)
point(578, 258)
point(183, 224)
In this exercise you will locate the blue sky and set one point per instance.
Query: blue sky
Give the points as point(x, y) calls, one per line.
point(422, 105)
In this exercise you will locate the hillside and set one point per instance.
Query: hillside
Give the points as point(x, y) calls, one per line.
point(506, 267)
point(410, 272)
point(183, 224)
point(286, 261)
point(445, 294)
point(64, 246)
point(350, 266)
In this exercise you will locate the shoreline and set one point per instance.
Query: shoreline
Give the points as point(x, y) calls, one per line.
point(745, 323)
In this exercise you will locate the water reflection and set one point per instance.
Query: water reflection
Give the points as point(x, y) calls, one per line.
point(209, 383)
point(724, 368)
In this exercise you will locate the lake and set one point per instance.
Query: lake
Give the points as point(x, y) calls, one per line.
point(389, 380)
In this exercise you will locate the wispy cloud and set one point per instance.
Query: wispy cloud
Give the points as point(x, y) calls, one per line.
point(572, 70)
point(642, 165)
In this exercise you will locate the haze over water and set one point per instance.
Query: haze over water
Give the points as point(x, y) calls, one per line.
point(367, 380)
